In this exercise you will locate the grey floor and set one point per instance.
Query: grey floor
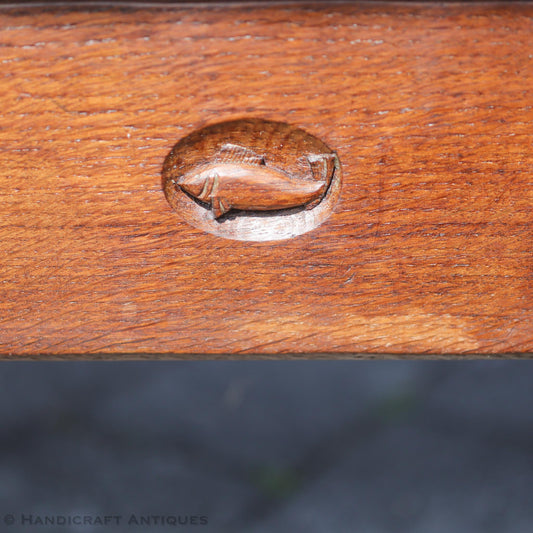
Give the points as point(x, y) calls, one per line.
point(326, 446)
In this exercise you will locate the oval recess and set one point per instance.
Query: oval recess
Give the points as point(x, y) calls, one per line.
point(252, 180)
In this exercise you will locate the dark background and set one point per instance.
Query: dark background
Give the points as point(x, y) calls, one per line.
point(259, 446)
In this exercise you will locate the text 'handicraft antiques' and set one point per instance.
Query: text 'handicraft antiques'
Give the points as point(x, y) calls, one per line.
point(252, 180)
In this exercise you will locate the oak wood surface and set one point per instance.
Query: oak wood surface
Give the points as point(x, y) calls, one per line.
point(428, 251)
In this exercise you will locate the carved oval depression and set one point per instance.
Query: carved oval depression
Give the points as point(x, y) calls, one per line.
point(252, 180)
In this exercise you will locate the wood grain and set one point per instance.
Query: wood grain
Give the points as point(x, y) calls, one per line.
point(428, 251)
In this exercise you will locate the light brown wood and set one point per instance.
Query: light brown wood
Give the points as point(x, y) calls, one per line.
point(427, 251)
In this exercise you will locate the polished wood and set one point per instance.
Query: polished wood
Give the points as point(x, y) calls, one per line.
point(427, 251)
